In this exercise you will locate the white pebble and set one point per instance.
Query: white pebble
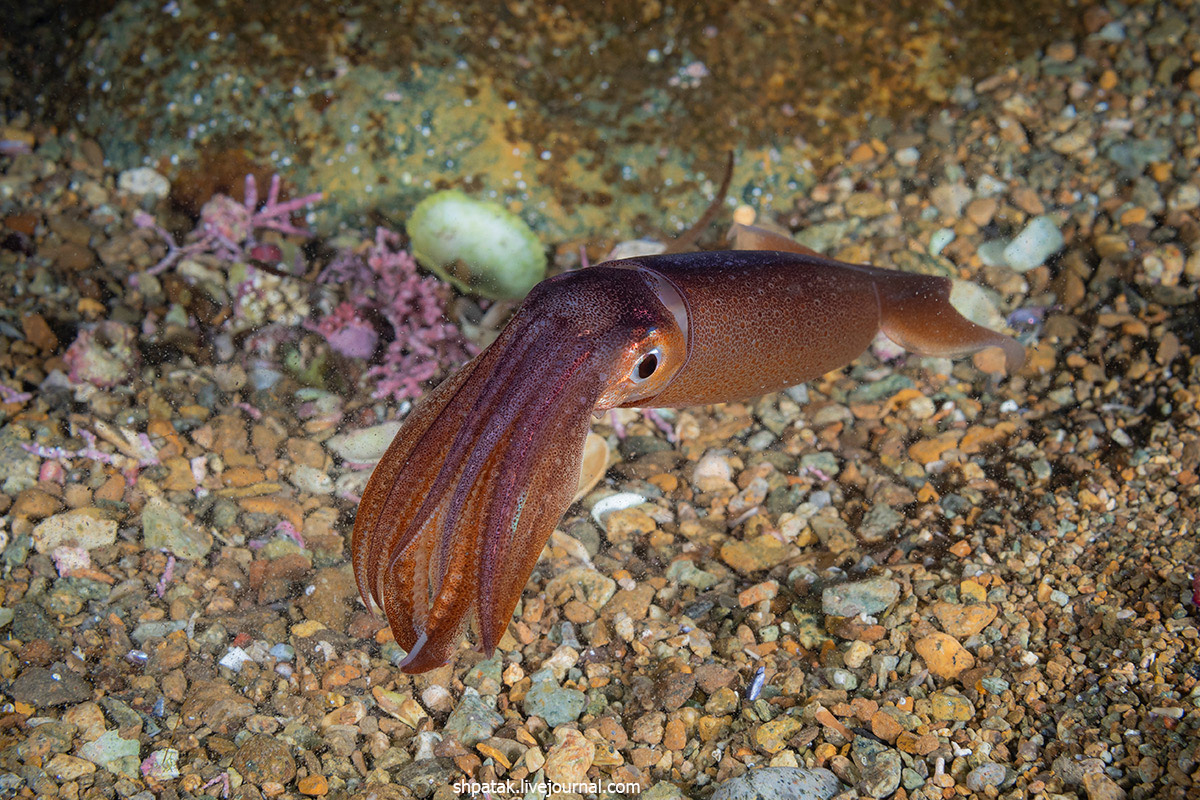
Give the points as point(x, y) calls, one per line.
point(364, 446)
point(234, 658)
point(143, 182)
point(615, 502)
point(1039, 240)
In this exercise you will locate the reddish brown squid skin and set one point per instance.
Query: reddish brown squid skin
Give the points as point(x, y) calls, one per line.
point(456, 513)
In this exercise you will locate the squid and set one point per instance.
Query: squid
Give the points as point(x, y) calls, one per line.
point(455, 515)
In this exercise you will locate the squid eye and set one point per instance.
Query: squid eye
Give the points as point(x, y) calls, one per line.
point(645, 366)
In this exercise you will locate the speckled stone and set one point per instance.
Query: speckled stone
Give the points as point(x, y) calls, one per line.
point(87, 528)
point(861, 597)
point(472, 720)
point(553, 703)
point(780, 783)
point(18, 467)
point(985, 775)
point(570, 757)
point(43, 688)
point(879, 767)
point(113, 753)
point(164, 527)
point(953, 707)
point(263, 759)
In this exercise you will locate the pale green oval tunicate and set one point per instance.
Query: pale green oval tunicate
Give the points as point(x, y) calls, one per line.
point(479, 246)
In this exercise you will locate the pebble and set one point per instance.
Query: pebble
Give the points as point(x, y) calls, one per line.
point(879, 767)
point(613, 503)
point(39, 333)
point(950, 198)
point(1101, 787)
point(823, 462)
point(758, 593)
point(44, 688)
point(684, 571)
point(86, 528)
point(144, 182)
point(675, 735)
point(264, 759)
point(711, 677)
point(113, 753)
point(886, 726)
point(164, 527)
point(940, 240)
point(436, 697)
point(982, 210)
point(991, 253)
point(857, 654)
point(748, 556)
point(423, 776)
point(181, 478)
point(569, 757)
point(985, 775)
point(978, 304)
point(364, 446)
point(473, 719)
point(562, 659)
point(633, 248)
point(585, 584)
point(1071, 770)
point(780, 783)
point(88, 718)
point(553, 703)
point(1185, 197)
point(159, 629)
point(214, 703)
point(927, 451)
point(1037, 241)
point(329, 597)
point(33, 503)
point(162, 765)
point(962, 621)
point(313, 785)
point(713, 474)
point(69, 768)
point(944, 655)
point(625, 524)
point(722, 701)
point(880, 522)
point(234, 659)
point(773, 736)
point(950, 707)
point(313, 481)
point(870, 597)
point(485, 676)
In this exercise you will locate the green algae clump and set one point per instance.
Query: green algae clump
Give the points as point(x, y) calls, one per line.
point(479, 246)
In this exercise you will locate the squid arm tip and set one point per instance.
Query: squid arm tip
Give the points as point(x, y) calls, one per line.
point(414, 655)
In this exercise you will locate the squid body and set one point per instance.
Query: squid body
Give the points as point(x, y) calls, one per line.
point(456, 513)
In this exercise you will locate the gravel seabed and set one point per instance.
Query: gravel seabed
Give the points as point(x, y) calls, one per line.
point(928, 579)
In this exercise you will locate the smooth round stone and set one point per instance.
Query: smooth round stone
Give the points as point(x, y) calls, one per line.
point(1036, 242)
point(780, 783)
point(985, 775)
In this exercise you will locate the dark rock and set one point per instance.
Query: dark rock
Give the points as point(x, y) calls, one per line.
point(43, 687)
point(675, 689)
point(263, 759)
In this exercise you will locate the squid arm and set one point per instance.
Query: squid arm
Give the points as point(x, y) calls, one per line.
point(456, 513)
